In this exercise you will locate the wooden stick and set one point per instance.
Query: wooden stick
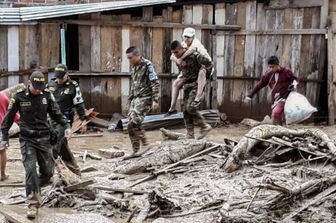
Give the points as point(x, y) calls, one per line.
point(275, 187)
point(175, 164)
point(13, 185)
point(310, 202)
point(255, 194)
point(87, 135)
point(123, 190)
point(192, 212)
point(132, 215)
point(84, 156)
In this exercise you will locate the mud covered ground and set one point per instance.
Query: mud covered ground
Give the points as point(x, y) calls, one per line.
point(202, 184)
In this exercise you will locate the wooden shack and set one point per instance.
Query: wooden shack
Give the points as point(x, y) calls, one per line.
point(239, 35)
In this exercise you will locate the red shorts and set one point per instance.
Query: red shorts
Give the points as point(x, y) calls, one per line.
point(278, 110)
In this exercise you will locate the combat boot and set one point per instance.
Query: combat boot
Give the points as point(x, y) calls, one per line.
point(135, 145)
point(205, 129)
point(143, 138)
point(32, 212)
point(190, 132)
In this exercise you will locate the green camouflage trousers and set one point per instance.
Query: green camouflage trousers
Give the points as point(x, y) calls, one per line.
point(139, 108)
point(190, 113)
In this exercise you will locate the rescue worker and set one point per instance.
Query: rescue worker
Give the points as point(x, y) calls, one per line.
point(191, 44)
point(34, 103)
point(190, 70)
point(144, 96)
point(281, 81)
point(69, 98)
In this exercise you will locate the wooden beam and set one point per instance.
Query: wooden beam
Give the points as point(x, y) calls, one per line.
point(12, 216)
point(331, 109)
point(276, 32)
point(172, 25)
point(282, 4)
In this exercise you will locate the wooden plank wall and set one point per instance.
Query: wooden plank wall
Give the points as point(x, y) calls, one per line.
point(240, 58)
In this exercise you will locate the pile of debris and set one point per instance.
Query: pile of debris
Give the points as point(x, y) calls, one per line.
point(272, 174)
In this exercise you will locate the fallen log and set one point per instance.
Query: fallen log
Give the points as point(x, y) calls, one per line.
point(167, 153)
point(164, 170)
point(250, 140)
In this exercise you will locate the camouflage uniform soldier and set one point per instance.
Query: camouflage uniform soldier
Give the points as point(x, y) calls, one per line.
point(144, 96)
point(192, 65)
point(34, 104)
point(69, 97)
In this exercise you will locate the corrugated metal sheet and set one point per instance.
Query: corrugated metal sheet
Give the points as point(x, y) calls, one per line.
point(160, 121)
point(31, 14)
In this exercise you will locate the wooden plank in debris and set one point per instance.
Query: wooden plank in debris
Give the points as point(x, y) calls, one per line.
point(12, 216)
point(120, 190)
point(310, 202)
point(79, 185)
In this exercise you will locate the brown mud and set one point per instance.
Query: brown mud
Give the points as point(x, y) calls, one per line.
point(194, 187)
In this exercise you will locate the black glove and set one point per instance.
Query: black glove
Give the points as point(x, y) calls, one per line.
point(54, 135)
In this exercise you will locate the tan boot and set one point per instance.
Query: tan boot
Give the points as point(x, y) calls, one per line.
point(32, 212)
point(205, 129)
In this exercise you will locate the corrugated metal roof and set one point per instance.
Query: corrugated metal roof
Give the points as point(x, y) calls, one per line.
point(30, 14)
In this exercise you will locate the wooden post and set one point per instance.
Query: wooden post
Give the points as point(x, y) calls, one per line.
point(331, 109)
point(214, 84)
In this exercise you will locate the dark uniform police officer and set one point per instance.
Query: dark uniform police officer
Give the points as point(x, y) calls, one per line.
point(34, 103)
point(69, 98)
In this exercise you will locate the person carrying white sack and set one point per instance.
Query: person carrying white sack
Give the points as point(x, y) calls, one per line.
point(281, 81)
